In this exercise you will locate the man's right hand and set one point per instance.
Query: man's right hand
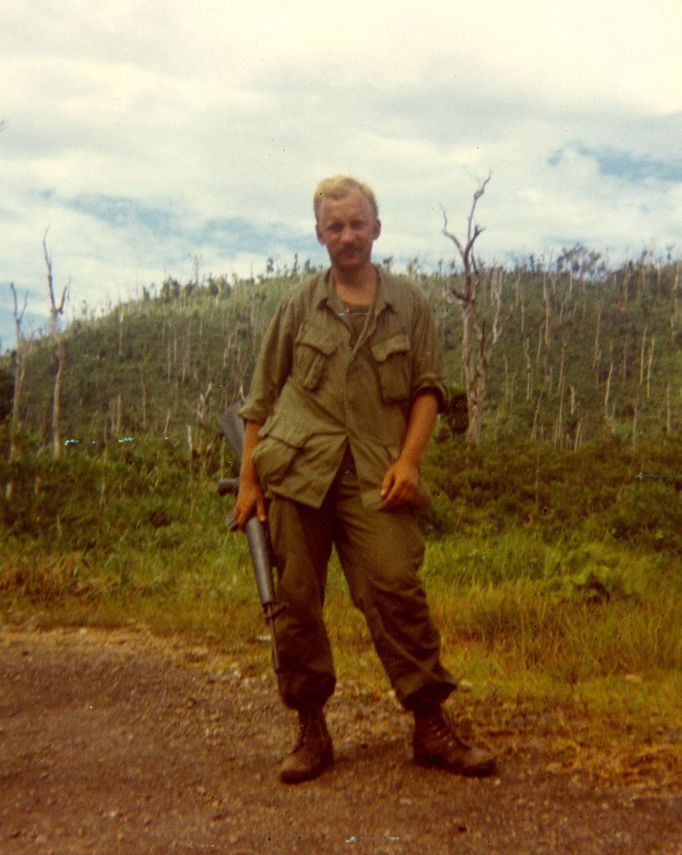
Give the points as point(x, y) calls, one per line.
point(250, 501)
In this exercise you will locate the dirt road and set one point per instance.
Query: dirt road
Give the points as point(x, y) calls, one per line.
point(117, 742)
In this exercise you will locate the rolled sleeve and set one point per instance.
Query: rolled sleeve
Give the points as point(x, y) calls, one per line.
point(272, 367)
point(427, 373)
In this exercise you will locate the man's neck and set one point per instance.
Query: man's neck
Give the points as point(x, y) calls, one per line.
point(358, 288)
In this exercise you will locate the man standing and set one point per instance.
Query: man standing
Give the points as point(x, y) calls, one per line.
point(341, 408)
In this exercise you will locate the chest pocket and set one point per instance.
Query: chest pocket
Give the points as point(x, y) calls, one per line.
point(392, 359)
point(312, 349)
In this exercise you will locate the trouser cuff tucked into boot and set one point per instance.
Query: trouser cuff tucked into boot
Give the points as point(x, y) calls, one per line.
point(313, 750)
point(435, 743)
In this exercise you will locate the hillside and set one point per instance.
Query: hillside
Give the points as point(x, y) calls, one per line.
point(584, 351)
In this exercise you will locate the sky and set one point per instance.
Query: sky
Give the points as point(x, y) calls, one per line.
point(142, 139)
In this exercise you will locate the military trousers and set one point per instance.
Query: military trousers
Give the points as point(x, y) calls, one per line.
point(380, 554)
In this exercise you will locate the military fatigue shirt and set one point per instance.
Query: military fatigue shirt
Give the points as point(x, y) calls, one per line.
point(316, 394)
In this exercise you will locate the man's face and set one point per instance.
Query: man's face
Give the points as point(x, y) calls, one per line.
point(347, 227)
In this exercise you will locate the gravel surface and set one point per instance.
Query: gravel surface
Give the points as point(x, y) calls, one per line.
point(119, 742)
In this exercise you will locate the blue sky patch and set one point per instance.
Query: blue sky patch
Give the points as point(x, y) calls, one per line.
point(228, 234)
point(624, 164)
point(122, 211)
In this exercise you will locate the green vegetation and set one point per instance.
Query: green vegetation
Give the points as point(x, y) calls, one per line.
point(537, 613)
point(554, 571)
point(583, 353)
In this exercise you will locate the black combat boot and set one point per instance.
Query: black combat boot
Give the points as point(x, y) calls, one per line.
point(313, 750)
point(435, 743)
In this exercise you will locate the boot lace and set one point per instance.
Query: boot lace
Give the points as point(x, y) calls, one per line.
point(309, 727)
point(437, 725)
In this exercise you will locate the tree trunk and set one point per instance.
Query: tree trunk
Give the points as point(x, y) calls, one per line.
point(607, 390)
point(19, 378)
point(642, 351)
point(477, 341)
point(548, 310)
point(57, 397)
point(650, 365)
point(56, 310)
point(121, 318)
point(529, 369)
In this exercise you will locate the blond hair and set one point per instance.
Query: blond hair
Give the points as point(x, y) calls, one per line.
point(339, 186)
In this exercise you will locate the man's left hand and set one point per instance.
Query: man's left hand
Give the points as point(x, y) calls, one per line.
point(399, 486)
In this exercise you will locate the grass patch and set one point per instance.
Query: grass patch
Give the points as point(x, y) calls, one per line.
point(570, 634)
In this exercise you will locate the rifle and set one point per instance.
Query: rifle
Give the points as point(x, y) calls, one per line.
point(256, 532)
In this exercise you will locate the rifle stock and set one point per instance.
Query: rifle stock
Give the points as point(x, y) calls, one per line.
point(256, 532)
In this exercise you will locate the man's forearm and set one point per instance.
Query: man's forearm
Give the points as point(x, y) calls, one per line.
point(247, 471)
point(250, 498)
point(400, 483)
point(420, 425)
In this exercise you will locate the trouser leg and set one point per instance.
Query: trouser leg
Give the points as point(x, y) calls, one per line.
point(301, 541)
point(380, 553)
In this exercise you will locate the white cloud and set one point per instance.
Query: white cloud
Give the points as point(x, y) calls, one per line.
point(231, 112)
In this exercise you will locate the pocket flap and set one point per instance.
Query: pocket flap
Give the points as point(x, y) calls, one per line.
point(314, 337)
point(399, 343)
point(290, 431)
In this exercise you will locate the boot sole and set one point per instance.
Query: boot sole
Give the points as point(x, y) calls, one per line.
point(295, 776)
point(482, 770)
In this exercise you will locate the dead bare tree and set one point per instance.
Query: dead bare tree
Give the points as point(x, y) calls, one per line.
point(56, 310)
point(20, 359)
point(202, 420)
point(19, 372)
point(650, 365)
point(478, 338)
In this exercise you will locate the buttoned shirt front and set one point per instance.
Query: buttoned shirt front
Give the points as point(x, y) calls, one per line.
point(316, 393)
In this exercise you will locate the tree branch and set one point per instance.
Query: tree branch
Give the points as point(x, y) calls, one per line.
point(477, 195)
point(449, 234)
point(18, 315)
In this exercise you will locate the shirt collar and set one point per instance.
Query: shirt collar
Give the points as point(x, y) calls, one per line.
point(325, 290)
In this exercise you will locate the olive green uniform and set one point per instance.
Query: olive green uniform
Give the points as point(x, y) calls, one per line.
point(334, 399)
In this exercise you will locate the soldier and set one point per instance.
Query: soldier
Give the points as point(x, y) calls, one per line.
point(342, 404)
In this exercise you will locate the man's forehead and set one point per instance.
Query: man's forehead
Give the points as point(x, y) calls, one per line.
point(353, 203)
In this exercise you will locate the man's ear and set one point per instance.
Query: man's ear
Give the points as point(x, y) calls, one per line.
point(377, 228)
point(318, 232)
